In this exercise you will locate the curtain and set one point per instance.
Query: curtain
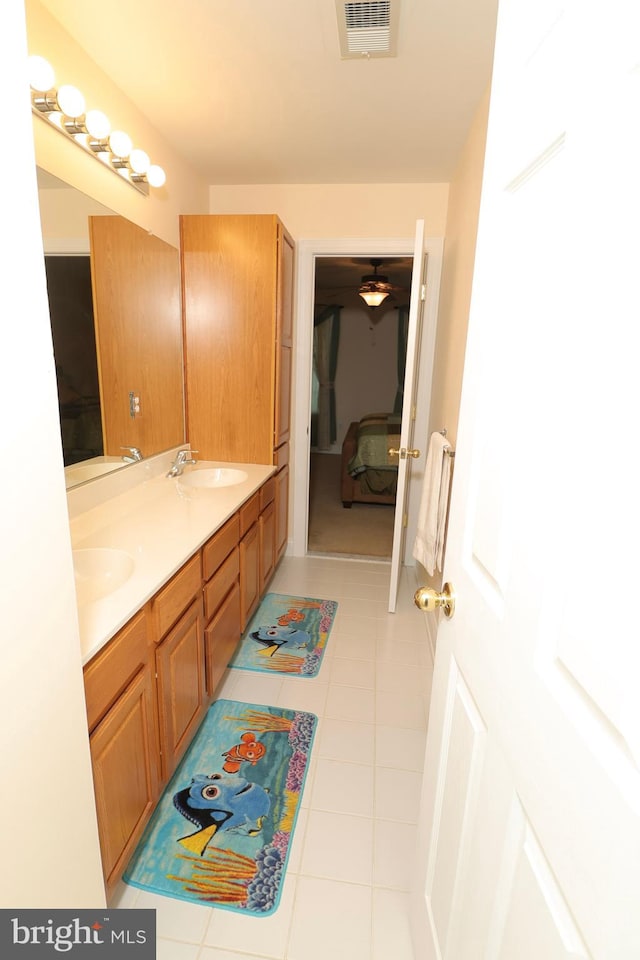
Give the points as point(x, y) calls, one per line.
point(403, 331)
point(326, 340)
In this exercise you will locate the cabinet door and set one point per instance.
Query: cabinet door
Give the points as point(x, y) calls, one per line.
point(124, 754)
point(282, 511)
point(267, 528)
point(249, 574)
point(181, 686)
point(230, 295)
point(222, 636)
point(284, 337)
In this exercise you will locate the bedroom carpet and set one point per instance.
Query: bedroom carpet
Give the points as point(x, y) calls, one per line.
point(366, 530)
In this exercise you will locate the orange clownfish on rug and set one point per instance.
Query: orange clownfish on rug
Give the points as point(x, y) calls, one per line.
point(249, 751)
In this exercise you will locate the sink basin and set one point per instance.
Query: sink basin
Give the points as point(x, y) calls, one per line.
point(99, 571)
point(213, 477)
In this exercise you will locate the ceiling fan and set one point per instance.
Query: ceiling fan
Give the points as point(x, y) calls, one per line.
point(374, 287)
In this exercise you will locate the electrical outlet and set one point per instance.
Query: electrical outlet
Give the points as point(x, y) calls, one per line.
point(134, 405)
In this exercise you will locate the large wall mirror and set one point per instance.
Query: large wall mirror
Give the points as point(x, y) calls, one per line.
point(114, 297)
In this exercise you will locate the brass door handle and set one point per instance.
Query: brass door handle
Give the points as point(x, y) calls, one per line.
point(429, 600)
point(403, 453)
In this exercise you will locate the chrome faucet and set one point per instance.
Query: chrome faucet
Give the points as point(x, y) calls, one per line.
point(135, 455)
point(183, 458)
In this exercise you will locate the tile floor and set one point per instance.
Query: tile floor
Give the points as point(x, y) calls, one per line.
point(345, 895)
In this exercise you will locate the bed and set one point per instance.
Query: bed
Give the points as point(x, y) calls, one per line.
point(368, 473)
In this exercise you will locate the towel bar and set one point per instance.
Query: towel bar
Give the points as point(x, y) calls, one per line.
point(449, 453)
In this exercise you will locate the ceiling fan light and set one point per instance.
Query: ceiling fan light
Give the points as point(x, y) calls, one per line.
point(373, 298)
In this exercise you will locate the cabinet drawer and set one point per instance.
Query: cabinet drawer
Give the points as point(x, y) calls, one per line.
point(107, 675)
point(249, 513)
point(216, 589)
point(267, 493)
point(169, 603)
point(220, 546)
point(281, 456)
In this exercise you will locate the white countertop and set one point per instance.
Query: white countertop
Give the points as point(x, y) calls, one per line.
point(159, 523)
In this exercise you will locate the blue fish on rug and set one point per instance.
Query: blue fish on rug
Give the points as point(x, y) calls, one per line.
point(218, 803)
point(274, 636)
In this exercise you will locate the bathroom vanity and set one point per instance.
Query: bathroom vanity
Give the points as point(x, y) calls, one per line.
point(169, 573)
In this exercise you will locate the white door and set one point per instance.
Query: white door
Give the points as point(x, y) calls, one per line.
point(529, 844)
point(405, 458)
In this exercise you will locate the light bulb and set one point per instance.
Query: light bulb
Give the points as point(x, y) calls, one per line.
point(139, 161)
point(97, 124)
point(41, 75)
point(120, 143)
point(156, 175)
point(70, 101)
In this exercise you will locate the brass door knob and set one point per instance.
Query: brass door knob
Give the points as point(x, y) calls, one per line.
point(429, 600)
point(403, 453)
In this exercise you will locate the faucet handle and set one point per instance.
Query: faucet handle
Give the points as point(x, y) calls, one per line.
point(135, 452)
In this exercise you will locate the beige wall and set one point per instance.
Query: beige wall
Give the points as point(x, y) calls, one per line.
point(455, 287)
point(329, 210)
point(184, 191)
point(457, 275)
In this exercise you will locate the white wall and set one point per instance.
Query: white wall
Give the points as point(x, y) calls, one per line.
point(50, 853)
point(366, 378)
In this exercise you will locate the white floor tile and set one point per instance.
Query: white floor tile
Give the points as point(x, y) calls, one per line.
point(349, 646)
point(395, 677)
point(330, 920)
point(124, 896)
point(400, 748)
point(252, 686)
point(401, 710)
point(343, 788)
point(346, 740)
point(391, 929)
point(176, 919)
point(174, 950)
point(303, 693)
point(394, 848)
point(350, 703)
point(353, 673)
point(262, 936)
point(212, 953)
point(338, 847)
point(397, 794)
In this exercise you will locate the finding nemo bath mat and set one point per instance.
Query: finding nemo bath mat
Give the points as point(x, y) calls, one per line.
point(286, 635)
point(222, 831)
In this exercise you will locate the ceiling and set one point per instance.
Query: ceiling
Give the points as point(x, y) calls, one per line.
point(337, 279)
point(255, 91)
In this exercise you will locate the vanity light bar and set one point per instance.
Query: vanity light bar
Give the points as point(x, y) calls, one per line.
point(65, 109)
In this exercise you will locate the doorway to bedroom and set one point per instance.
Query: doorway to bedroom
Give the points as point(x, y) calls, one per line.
point(356, 406)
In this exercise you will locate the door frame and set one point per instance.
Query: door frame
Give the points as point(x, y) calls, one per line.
point(306, 252)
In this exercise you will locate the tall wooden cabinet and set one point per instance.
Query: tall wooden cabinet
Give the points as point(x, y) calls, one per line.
point(238, 276)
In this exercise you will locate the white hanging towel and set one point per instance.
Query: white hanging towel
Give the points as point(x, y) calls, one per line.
point(428, 548)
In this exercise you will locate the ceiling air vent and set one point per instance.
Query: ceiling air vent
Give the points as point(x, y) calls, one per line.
point(367, 28)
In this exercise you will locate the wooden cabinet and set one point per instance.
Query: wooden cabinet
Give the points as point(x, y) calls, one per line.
point(221, 568)
point(123, 741)
point(281, 481)
point(249, 574)
point(238, 299)
point(181, 686)
point(267, 532)
point(222, 636)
